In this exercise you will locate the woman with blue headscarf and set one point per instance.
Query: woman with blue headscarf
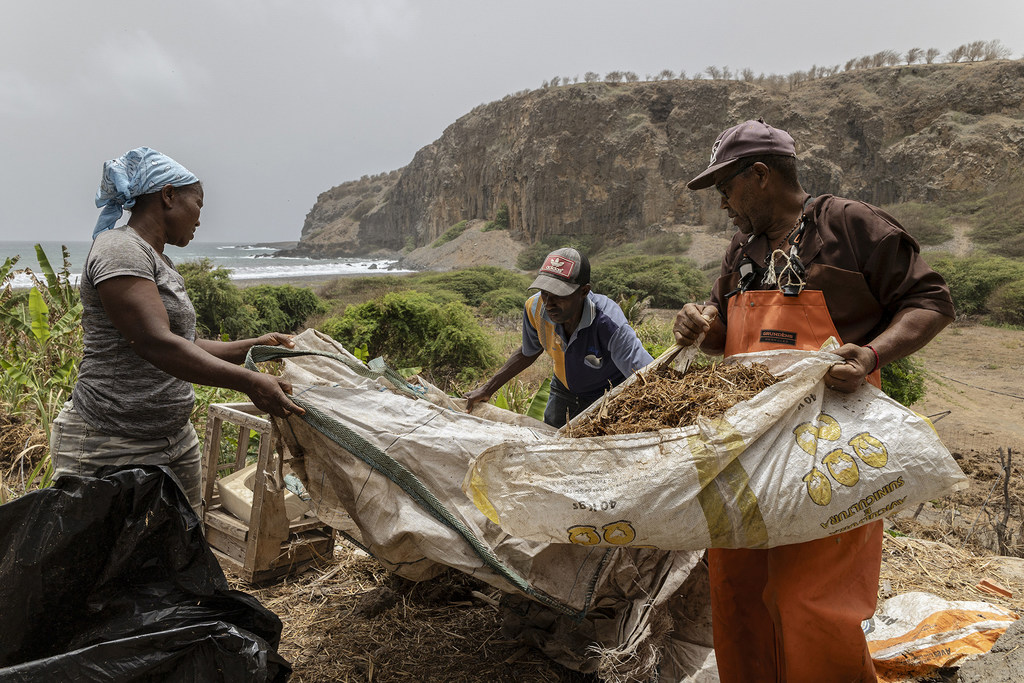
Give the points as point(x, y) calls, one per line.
point(132, 401)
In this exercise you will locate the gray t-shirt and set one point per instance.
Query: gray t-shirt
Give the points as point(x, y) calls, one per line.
point(118, 392)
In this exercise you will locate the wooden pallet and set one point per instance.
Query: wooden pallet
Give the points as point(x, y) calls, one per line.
point(266, 546)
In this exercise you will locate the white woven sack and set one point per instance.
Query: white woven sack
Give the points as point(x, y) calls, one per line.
point(795, 463)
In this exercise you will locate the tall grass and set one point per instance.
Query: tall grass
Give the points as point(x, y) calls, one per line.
point(928, 223)
point(40, 345)
point(41, 339)
point(450, 234)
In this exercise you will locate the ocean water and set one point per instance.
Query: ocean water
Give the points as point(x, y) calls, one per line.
point(246, 262)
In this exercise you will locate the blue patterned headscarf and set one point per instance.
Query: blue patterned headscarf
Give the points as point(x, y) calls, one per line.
point(138, 172)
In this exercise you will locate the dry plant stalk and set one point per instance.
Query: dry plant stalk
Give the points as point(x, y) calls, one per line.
point(354, 621)
point(665, 398)
point(950, 572)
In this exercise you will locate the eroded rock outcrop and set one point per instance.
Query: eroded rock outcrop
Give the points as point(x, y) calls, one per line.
point(614, 159)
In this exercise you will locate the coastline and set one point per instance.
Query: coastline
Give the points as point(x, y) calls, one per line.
point(305, 281)
point(249, 264)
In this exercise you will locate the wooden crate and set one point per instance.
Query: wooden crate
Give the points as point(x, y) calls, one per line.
point(266, 546)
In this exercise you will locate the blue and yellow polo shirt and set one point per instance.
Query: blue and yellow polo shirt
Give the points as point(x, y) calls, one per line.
point(602, 351)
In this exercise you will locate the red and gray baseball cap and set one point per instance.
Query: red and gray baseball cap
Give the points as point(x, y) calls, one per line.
point(564, 271)
point(749, 139)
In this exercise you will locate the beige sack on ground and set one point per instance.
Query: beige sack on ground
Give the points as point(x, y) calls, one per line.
point(795, 463)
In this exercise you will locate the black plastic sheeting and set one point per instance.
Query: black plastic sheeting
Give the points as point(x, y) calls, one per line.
point(111, 579)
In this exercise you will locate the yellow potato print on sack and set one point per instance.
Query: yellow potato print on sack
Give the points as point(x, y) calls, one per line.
point(870, 450)
point(842, 467)
point(619, 533)
point(819, 488)
point(584, 535)
point(808, 433)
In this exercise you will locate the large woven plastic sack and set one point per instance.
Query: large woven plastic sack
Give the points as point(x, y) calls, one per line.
point(795, 463)
point(383, 461)
point(913, 635)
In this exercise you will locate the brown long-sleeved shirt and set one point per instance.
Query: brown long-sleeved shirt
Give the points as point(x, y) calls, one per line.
point(865, 262)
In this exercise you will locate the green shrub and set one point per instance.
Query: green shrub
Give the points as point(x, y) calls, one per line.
point(669, 281)
point(928, 223)
point(504, 300)
point(471, 283)
point(501, 217)
point(205, 395)
point(999, 222)
point(1006, 303)
point(636, 308)
point(532, 257)
point(267, 315)
point(903, 380)
point(414, 329)
point(661, 244)
point(220, 308)
point(358, 289)
point(971, 280)
point(282, 308)
point(500, 221)
point(450, 234)
point(655, 335)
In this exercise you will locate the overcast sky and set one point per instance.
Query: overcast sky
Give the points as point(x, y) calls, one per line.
point(271, 102)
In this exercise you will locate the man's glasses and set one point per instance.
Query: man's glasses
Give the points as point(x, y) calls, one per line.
point(720, 185)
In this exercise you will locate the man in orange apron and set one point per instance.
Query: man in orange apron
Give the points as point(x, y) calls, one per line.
point(800, 270)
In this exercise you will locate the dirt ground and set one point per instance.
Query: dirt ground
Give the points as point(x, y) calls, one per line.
point(975, 395)
point(977, 373)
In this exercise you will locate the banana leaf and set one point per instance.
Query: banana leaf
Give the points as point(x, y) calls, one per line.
point(540, 400)
point(40, 315)
point(44, 265)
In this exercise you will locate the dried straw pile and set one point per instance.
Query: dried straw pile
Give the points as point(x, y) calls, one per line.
point(664, 398)
point(351, 620)
point(952, 573)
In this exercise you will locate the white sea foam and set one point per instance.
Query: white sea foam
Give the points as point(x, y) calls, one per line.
point(314, 268)
point(274, 268)
point(246, 261)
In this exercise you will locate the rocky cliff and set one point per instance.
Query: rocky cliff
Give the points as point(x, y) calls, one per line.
point(614, 159)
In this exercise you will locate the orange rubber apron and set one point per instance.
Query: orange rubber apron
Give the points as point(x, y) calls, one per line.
point(793, 613)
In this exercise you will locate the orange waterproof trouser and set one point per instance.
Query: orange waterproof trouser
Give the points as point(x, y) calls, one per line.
point(793, 613)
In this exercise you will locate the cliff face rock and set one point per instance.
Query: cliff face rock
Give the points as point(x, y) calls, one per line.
point(332, 227)
point(614, 159)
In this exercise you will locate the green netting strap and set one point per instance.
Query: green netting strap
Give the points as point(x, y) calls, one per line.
point(397, 473)
point(402, 477)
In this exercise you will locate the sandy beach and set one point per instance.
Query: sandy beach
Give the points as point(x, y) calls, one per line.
point(308, 281)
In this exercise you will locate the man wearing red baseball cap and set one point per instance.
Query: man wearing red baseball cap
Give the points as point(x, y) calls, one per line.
point(799, 270)
point(586, 334)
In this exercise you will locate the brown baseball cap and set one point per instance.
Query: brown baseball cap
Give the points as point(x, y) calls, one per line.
point(749, 139)
point(564, 271)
